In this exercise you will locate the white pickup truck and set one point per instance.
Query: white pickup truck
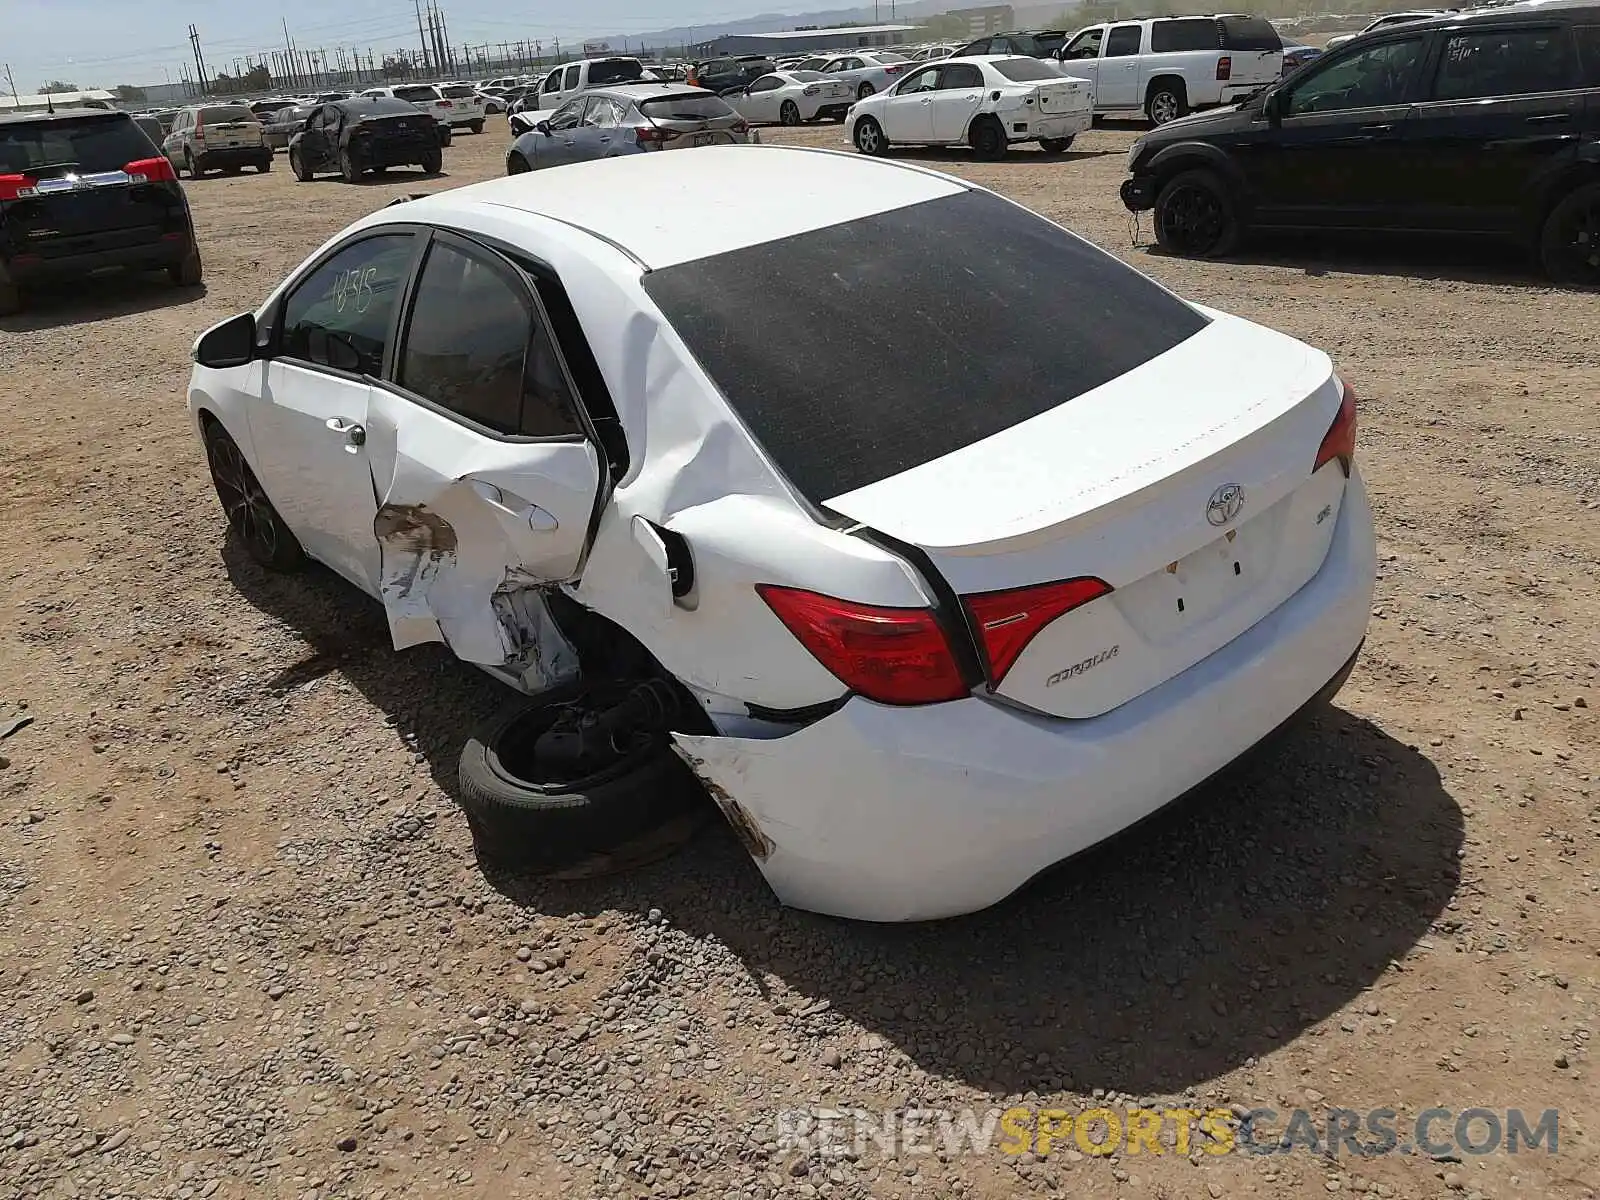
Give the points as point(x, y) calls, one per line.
point(567, 80)
point(1170, 66)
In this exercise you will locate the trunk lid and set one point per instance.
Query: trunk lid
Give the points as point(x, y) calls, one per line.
point(1065, 96)
point(1185, 484)
point(1255, 66)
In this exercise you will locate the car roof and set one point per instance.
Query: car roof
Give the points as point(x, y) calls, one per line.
point(60, 114)
point(698, 202)
point(647, 90)
point(1527, 9)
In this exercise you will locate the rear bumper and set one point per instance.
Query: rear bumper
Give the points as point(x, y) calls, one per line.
point(900, 814)
point(149, 256)
point(233, 156)
point(1025, 128)
point(402, 154)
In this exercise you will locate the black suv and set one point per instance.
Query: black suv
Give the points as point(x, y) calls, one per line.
point(732, 74)
point(1483, 124)
point(1035, 43)
point(82, 190)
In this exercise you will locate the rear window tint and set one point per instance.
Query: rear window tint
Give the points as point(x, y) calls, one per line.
point(982, 315)
point(1049, 43)
point(1249, 33)
point(890, 56)
point(414, 94)
point(807, 76)
point(105, 143)
point(1197, 34)
point(1025, 70)
point(618, 71)
point(457, 93)
point(228, 112)
point(686, 106)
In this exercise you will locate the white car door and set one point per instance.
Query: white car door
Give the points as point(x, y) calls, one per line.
point(327, 339)
point(760, 102)
point(957, 101)
point(1080, 57)
point(1117, 85)
point(488, 481)
point(908, 110)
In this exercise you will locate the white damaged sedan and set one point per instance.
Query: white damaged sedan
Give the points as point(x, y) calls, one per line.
point(962, 544)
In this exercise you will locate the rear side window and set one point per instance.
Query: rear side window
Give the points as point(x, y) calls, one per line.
point(570, 80)
point(475, 347)
point(97, 143)
point(961, 75)
point(685, 106)
point(620, 70)
point(457, 93)
point(415, 95)
point(227, 112)
point(1249, 33)
point(1024, 70)
point(983, 315)
point(1504, 62)
point(1589, 53)
point(1195, 34)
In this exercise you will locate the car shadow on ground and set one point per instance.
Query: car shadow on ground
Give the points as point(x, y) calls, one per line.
point(1218, 931)
point(57, 305)
point(1463, 260)
point(1029, 155)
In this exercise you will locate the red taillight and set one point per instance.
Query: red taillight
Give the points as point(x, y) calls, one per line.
point(651, 135)
point(1340, 441)
point(445, 104)
point(151, 170)
point(738, 127)
point(1007, 621)
point(892, 70)
point(1224, 67)
point(891, 655)
point(16, 187)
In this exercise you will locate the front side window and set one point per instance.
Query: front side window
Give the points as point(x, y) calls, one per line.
point(553, 83)
point(922, 81)
point(1505, 62)
point(339, 316)
point(476, 347)
point(567, 115)
point(1085, 45)
point(1370, 78)
point(1123, 41)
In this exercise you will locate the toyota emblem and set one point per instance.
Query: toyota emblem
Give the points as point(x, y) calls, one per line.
point(1225, 504)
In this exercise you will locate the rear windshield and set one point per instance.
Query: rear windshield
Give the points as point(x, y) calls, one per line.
point(91, 144)
point(685, 106)
point(457, 93)
point(1049, 43)
point(807, 76)
point(413, 94)
point(890, 56)
point(982, 315)
point(1025, 70)
point(615, 70)
point(227, 112)
point(1194, 33)
point(1249, 33)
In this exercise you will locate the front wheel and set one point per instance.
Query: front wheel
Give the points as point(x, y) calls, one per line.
point(1194, 216)
point(251, 517)
point(789, 114)
point(518, 165)
point(297, 164)
point(475, 126)
point(432, 163)
point(869, 138)
point(1569, 245)
point(988, 139)
point(1055, 145)
point(263, 166)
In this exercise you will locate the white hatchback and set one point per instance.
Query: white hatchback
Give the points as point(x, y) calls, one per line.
point(989, 103)
point(952, 596)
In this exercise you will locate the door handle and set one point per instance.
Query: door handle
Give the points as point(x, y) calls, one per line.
point(1377, 129)
point(1549, 118)
point(927, 100)
point(354, 435)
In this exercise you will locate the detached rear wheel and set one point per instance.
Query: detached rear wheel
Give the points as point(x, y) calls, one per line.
point(1569, 246)
point(594, 813)
point(1194, 216)
point(251, 517)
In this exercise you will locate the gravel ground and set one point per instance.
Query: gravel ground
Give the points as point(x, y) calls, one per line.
point(246, 950)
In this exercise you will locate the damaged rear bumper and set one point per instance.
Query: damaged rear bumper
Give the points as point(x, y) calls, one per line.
point(901, 814)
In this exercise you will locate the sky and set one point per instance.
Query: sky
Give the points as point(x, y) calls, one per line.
point(101, 43)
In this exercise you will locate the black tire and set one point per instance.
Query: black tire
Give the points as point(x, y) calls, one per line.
point(233, 169)
point(432, 163)
point(10, 300)
point(789, 113)
point(988, 139)
point(865, 90)
point(1569, 243)
point(869, 138)
point(263, 166)
point(475, 126)
point(251, 517)
point(1166, 102)
point(1195, 216)
point(188, 273)
point(189, 164)
point(516, 164)
point(1055, 145)
point(521, 824)
point(297, 164)
point(349, 168)
point(444, 136)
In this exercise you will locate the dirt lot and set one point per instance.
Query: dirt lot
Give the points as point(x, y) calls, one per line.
point(246, 950)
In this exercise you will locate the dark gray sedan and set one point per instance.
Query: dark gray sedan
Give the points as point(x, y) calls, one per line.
point(628, 119)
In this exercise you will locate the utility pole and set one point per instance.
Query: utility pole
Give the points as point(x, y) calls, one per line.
point(16, 100)
point(421, 36)
point(199, 59)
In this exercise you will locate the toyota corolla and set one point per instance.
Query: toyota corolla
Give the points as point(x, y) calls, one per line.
point(950, 543)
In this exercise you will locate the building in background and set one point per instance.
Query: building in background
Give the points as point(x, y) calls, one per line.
point(806, 41)
point(992, 18)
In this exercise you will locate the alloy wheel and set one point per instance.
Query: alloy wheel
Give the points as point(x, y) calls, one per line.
point(1193, 219)
point(1163, 108)
point(1580, 242)
point(249, 512)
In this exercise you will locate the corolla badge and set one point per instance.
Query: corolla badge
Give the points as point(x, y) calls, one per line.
point(1225, 504)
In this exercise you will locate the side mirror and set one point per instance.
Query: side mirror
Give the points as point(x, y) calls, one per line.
point(1272, 108)
point(230, 344)
point(544, 128)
